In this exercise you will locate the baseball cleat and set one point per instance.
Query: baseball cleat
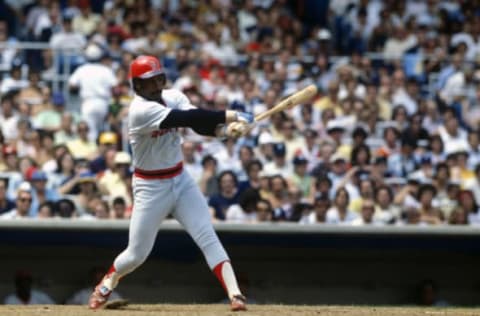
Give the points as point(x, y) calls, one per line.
point(99, 297)
point(116, 304)
point(238, 303)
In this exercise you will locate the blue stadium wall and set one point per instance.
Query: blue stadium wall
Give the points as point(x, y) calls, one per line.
point(278, 263)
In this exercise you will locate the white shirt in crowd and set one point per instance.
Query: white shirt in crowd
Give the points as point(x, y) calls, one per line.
point(333, 217)
point(235, 214)
point(12, 214)
point(272, 169)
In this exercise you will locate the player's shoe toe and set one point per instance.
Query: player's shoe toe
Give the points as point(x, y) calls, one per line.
point(99, 297)
point(238, 303)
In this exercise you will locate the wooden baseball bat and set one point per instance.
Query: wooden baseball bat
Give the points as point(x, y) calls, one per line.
point(297, 98)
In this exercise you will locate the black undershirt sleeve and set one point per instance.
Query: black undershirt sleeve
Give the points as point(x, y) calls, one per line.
point(203, 122)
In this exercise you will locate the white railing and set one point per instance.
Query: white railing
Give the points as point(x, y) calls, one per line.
point(263, 228)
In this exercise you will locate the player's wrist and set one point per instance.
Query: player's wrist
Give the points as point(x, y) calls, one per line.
point(221, 131)
point(230, 116)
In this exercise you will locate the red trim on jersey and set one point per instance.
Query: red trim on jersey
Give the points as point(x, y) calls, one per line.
point(217, 270)
point(159, 174)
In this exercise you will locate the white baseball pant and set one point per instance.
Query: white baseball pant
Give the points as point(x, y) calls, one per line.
point(153, 201)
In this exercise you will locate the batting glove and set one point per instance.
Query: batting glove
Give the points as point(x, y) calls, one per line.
point(245, 117)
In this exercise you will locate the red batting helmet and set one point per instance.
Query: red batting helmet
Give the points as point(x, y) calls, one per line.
point(144, 67)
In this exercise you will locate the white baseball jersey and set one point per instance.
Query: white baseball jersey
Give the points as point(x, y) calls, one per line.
point(94, 80)
point(154, 148)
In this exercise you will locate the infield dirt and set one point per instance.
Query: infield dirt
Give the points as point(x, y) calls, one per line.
point(201, 310)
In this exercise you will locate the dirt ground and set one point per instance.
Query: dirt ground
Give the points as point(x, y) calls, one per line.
point(200, 310)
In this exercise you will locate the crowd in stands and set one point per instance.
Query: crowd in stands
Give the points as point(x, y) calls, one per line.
point(392, 138)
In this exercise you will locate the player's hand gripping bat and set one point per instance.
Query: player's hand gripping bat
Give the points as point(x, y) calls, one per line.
point(237, 129)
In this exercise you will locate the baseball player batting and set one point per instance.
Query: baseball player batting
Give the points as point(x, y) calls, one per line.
point(160, 184)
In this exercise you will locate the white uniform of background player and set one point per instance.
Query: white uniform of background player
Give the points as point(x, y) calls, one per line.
point(94, 81)
point(161, 186)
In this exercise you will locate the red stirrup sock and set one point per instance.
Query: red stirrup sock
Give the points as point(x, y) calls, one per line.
point(224, 273)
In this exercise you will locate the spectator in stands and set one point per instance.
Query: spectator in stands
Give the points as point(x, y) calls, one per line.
point(228, 195)
point(293, 142)
point(330, 101)
point(227, 157)
point(253, 169)
point(5, 203)
point(23, 202)
point(458, 217)
point(33, 94)
point(86, 22)
point(339, 213)
point(264, 211)
point(468, 207)
point(81, 147)
point(428, 213)
point(66, 132)
point(264, 150)
point(50, 117)
point(320, 207)
point(385, 211)
point(107, 147)
point(8, 53)
point(9, 116)
point(24, 293)
point(279, 165)
point(40, 192)
point(365, 190)
point(46, 210)
point(338, 169)
point(102, 210)
point(65, 208)
point(11, 172)
point(367, 212)
point(360, 157)
point(299, 177)
point(87, 191)
point(113, 181)
point(119, 208)
point(68, 38)
point(208, 182)
point(278, 197)
point(311, 150)
point(10, 161)
point(13, 82)
point(403, 163)
point(436, 153)
point(64, 172)
point(245, 210)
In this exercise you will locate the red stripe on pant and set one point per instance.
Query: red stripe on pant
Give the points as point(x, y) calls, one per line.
point(159, 174)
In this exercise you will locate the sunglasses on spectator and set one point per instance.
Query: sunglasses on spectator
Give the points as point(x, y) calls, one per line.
point(25, 199)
